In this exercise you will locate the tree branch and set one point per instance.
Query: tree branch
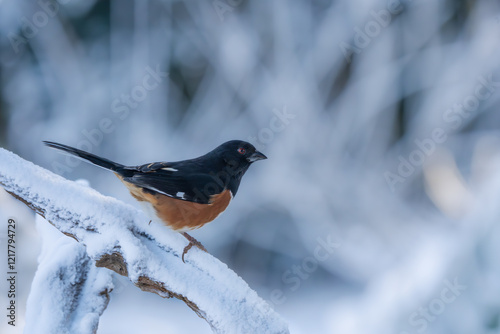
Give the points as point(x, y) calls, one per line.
point(68, 294)
point(117, 236)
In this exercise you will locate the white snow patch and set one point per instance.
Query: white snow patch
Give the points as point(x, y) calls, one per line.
point(65, 295)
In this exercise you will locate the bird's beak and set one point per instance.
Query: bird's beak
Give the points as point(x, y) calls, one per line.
point(256, 157)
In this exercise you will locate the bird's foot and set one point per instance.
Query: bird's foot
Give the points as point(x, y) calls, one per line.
point(192, 242)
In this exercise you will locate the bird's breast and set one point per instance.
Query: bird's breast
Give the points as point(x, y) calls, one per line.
point(182, 215)
point(178, 214)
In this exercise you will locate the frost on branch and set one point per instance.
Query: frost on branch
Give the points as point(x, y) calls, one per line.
point(117, 236)
point(69, 293)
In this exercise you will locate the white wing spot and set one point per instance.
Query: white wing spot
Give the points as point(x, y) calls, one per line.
point(170, 169)
point(180, 194)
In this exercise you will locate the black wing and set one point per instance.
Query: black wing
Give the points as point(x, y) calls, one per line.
point(181, 180)
point(155, 166)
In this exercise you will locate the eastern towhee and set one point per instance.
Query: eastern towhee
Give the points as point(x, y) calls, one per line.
point(186, 194)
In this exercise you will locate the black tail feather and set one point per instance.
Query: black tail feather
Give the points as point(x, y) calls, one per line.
point(104, 163)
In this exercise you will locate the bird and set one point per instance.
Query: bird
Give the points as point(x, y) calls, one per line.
point(184, 195)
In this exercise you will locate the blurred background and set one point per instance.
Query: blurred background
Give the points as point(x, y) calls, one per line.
point(377, 210)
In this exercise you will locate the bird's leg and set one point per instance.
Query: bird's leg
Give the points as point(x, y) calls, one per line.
point(192, 242)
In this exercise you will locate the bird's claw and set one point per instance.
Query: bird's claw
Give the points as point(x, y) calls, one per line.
point(192, 242)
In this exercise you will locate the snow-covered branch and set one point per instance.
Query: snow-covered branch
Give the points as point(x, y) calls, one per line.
point(69, 293)
point(117, 236)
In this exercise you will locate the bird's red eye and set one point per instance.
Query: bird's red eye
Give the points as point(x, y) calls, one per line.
point(241, 150)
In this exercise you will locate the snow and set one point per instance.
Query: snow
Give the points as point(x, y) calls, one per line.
point(66, 292)
point(105, 225)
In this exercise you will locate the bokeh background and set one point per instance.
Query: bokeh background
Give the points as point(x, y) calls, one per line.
point(378, 209)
